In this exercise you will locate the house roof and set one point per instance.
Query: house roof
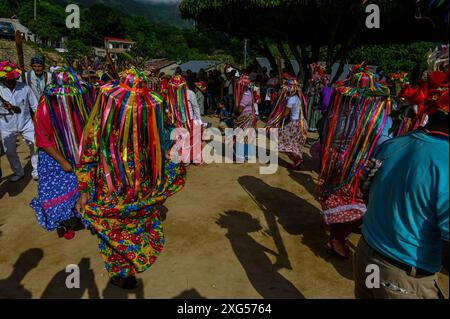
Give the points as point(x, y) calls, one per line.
point(118, 40)
point(195, 66)
point(159, 64)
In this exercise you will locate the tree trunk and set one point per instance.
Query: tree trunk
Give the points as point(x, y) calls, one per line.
point(266, 50)
point(298, 57)
point(306, 60)
point(287, 60)
point(315, 53)
point(342, 54)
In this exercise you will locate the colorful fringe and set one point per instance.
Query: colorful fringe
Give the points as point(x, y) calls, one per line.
point(178, 114)
point(69, 103)
point(288, 89)
point(123, 166)
point(354, 123)
point(127, 120)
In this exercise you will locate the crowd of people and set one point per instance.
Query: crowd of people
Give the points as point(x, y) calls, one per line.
point(104, 161)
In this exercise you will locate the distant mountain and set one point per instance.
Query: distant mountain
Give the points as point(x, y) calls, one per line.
point(159, 12)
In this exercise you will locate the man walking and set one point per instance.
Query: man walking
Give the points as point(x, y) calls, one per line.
point(15, 103)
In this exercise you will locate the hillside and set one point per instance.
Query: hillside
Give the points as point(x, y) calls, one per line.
point(164, 13)
point(8, 52)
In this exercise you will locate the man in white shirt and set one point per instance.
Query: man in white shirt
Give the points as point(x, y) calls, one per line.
point(37, 79)
point(16, 100)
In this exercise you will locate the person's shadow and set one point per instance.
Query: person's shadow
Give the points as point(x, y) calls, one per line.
point(11, 287)
point(296, 216)
point(15, 189)
point(57, 289)
point(303, 179)
point(189, 294)
point(262, 274)
point(113, 292)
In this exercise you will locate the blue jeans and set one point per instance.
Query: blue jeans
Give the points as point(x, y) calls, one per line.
point(244, 151)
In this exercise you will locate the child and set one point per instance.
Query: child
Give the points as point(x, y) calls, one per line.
point(226, 121)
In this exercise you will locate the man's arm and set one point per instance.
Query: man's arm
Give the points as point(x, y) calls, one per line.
point(32, 100)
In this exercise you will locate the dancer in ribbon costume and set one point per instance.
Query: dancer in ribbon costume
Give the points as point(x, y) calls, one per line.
point(177, 103)
point(123, 163)
point(245, 95)
point(315, 85)
point(355, 121)
point(289, 116)
point(59, 122)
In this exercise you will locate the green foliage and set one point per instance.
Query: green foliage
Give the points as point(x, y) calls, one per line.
point(394, 57)
point(153, 40)
point(76, 48)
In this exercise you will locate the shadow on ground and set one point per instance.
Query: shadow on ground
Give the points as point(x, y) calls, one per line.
point(189, 294)
point(296, 216)
point(12, 287)
point(304, 179)
point(262, 274)
point(57, 289)
point(15, 189)
point(113, 292)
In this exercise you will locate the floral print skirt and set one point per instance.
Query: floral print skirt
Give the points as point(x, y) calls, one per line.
point(343, 205)
point(291, 138)
point(130, 232)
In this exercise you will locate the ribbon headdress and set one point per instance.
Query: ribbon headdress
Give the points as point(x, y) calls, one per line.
point(177, 103)
point(289, 88)
point(125, 129)
point(241, 86)
point(355, 120)
point(68, 103)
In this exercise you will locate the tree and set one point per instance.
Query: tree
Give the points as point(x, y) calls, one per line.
point(76, 49)
point(339, 25)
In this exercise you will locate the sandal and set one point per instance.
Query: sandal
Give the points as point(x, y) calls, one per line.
point(295, 165)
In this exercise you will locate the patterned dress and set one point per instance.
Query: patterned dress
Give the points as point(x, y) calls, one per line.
point(293, 135)
point(57, 194)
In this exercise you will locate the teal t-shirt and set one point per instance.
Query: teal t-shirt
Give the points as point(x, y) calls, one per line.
point(407, 215)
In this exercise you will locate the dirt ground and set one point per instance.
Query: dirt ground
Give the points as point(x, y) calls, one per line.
point(231, 233)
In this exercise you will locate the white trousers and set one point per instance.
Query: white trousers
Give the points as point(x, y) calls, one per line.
point(10, 144)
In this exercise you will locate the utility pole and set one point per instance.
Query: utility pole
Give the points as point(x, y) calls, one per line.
point(245, 53)
point(35, 10)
